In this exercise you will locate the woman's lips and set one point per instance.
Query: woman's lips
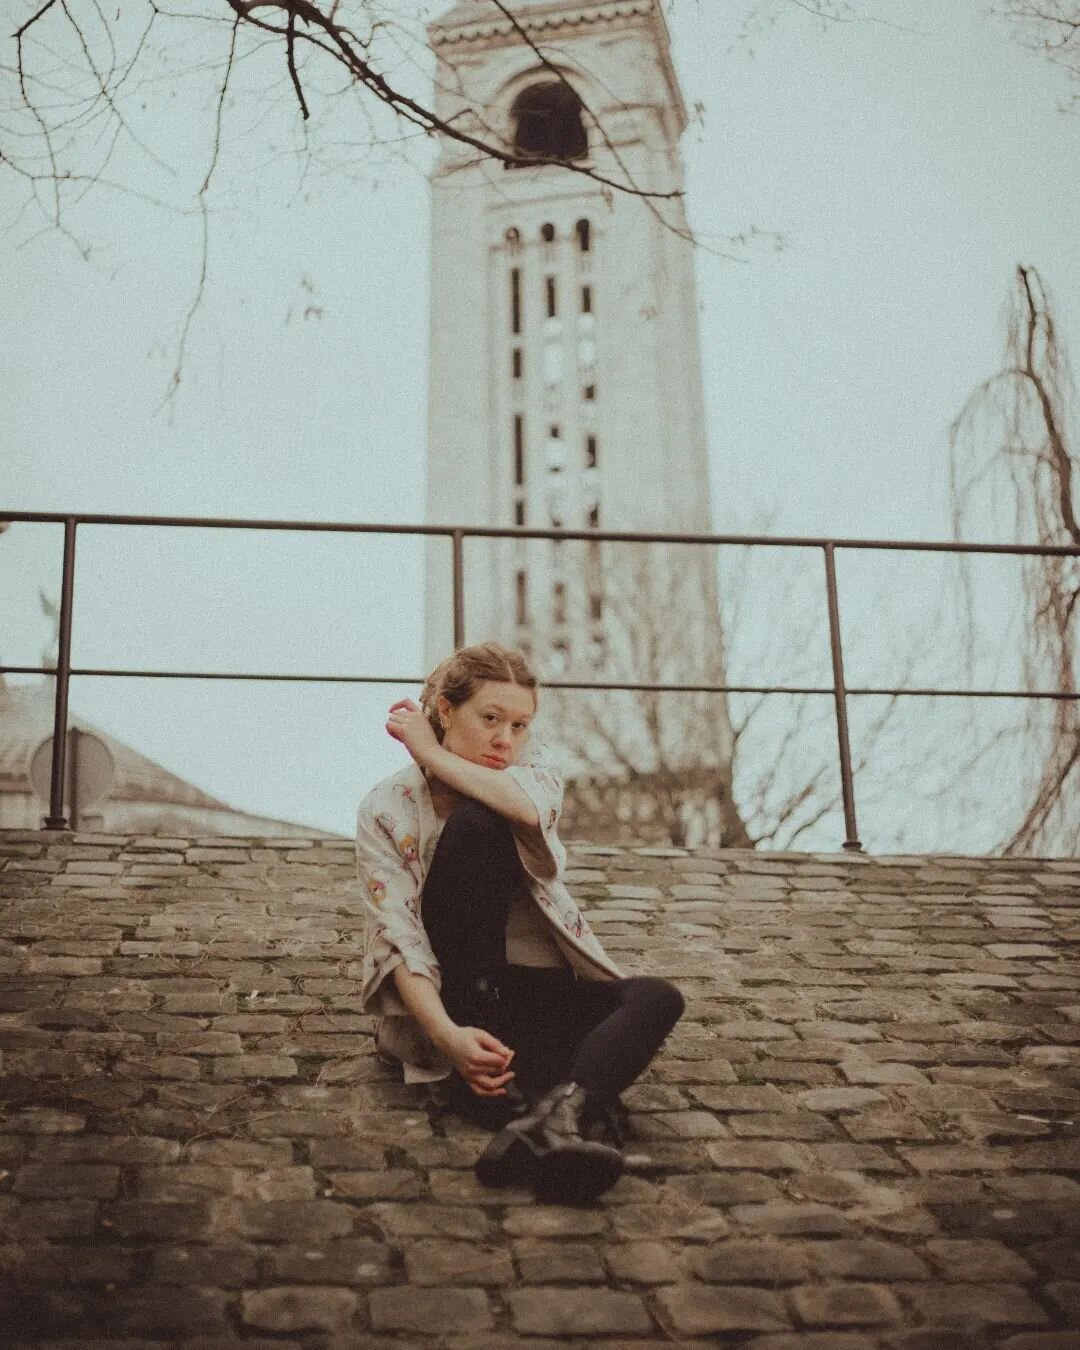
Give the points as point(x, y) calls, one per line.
point(495, 762)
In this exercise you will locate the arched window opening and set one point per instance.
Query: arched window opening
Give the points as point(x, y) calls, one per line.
point(548, 124)
point(547, 233)
point(583, 230)
point(513, 239)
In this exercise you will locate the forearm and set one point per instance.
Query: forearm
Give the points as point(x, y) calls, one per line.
point(491, 786)
point(422, 1000)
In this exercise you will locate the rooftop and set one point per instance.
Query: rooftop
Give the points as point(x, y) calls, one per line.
point(26, 720)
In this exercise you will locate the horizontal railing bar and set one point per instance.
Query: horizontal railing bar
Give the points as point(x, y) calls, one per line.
point(612, 686)
point(525, 532)
point(970, 693)
point(102, 673)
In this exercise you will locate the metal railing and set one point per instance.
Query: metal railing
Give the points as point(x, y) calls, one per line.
point(457, 534)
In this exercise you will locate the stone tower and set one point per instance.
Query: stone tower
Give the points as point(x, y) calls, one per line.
point(565, 376)
point(565, 372)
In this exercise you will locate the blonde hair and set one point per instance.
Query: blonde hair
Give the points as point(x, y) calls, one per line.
point(458, 677)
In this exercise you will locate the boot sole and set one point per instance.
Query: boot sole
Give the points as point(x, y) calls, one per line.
point(576, 1176)
point(509, 1160)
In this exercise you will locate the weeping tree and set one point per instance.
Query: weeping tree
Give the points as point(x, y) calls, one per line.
point(1013, 460)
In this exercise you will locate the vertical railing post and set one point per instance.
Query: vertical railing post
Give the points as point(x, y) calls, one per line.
point(847, 784)
point(458, 542)
point(73, 777)
point(56, 819)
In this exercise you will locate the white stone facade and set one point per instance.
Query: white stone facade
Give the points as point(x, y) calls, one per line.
point(565, 373)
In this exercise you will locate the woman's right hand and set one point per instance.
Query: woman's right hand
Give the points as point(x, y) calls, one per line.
point(480, 1058)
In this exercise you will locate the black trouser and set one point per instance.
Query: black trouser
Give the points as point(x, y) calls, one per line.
point(599, 1033)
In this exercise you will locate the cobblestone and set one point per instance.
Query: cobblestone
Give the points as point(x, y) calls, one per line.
point(578, 1312)
point(861, 1133)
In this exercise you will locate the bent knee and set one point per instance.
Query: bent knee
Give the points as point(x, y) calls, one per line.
point(473, 822)
point(663, 998)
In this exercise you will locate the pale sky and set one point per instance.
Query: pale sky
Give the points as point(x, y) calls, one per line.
point(908, 171)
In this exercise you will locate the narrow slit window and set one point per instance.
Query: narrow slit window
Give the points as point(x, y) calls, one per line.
point(522, 599)
point(586, 299)
point(552, 298)
point(596, 606)
point(594, 517)
point(559, 602)
point(519, 451)
point(515, 299)
point(517, 364)
point(519, 512)
point(583, 230)
point(589, 395)
point(590, 452)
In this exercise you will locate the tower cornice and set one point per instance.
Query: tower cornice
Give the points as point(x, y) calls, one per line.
point(472, 25)
point(462, 24)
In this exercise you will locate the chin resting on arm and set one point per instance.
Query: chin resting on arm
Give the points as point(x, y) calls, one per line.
point(493, 787)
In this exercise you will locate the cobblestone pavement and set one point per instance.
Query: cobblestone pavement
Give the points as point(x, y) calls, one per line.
point(864, 1132)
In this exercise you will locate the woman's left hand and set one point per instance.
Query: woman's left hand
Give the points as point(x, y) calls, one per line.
point(409, 725)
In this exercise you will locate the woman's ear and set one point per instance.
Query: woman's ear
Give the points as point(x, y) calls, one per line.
point(443, 706)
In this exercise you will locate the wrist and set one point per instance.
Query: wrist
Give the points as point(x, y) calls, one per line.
point(430, 756)
point(443, 1035)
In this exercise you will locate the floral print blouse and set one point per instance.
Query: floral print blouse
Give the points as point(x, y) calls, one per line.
point(396, 830)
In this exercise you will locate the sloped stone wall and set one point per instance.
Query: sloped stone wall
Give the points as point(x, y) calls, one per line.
point(863, 1132)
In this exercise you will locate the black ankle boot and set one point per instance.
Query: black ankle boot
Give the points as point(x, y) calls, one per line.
point(549, 1149)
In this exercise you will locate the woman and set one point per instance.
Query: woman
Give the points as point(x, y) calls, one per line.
point(479, 965)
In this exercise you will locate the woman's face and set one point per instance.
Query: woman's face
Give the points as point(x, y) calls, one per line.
point(490, 727)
